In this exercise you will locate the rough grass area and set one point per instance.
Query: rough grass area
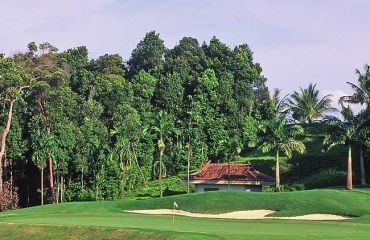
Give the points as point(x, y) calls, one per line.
point(46, 232)
point(106, 220)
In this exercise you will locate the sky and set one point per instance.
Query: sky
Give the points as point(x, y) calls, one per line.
point(297, 42)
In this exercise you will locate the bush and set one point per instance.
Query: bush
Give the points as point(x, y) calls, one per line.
point(9, 199)
point(75, 193)
point(325, 178)
point(284, 188)
point(171, 186)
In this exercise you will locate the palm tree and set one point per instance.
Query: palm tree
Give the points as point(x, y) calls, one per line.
point(280, 138)
point(306, 105)
point(278, 103)
point(165, 126)
point(361, 96)
point(361, 93)
point(346, 132)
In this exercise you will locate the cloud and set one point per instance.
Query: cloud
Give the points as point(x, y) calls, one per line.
point(336, 95)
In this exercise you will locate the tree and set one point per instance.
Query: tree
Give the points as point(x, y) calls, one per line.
point(347, 133)
point(306, 106)
point(127, 133)
point(96, 136)
point(163, 129)
point(51, 76)
point(170, 93)
point(12, 84)
point(361, 93)
point(279, 137)
point(148, 55)
point(108, 64)
point(41, 144)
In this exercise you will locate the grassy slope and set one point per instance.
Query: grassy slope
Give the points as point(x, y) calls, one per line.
point(356, 203)
point(109, 215)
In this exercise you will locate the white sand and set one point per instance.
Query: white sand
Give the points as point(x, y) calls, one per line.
point(250, 214)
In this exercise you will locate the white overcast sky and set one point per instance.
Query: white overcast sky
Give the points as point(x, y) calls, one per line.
point(296, 41)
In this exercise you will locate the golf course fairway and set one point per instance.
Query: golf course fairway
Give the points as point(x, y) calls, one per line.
point(107, 220)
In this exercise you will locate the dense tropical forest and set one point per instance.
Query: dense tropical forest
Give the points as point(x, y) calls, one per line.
point(74, 128)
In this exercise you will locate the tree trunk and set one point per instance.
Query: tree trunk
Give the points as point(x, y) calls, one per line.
point(61, 189)
point(362, 167)
point(3, 141)
point(51, 177)
point(277, 173)
point(45, 117)
point(11, 180)
point(349, 170)
point(82, 178)
point(42, 186)
point(160, 174)
point(189, 169)
point(58, 187)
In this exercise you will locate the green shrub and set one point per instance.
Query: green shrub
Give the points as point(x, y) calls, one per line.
point(74, 193)
point(325, 178)
point(171, 186)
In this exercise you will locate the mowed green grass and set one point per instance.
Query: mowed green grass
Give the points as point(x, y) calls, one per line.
point(115, 224)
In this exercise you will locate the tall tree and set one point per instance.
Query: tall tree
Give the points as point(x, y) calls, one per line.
point(12, 84)
point(51, 74)
point(41, 144)
point(148, 55)
point(280, 138)
point(163, 129)
point(345, 133)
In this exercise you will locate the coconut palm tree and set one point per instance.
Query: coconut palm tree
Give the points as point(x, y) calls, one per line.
point(306, 105)
point(345, 132)
point(361, 96)
point(361, 93)
point(279, 103)
point(280, 138)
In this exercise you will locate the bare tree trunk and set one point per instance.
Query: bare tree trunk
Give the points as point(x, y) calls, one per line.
point(349, 170)
point(96, 192)
point(4, 134)
point(82, 178)
point(277, 173)
point(160, 175)
point(42, 186)
point(362, 167)
point(51, 177)
point(61, 189)
point(189, 169)
point(11, 180)
point(58, 189)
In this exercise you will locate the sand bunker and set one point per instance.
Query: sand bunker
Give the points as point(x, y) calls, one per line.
point(250, 214)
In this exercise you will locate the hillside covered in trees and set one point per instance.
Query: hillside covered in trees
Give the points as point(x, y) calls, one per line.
point(75, 128)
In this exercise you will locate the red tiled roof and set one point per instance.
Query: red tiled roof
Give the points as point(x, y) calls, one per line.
point(232, 172)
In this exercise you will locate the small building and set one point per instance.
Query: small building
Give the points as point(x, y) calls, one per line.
point(229, 176)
